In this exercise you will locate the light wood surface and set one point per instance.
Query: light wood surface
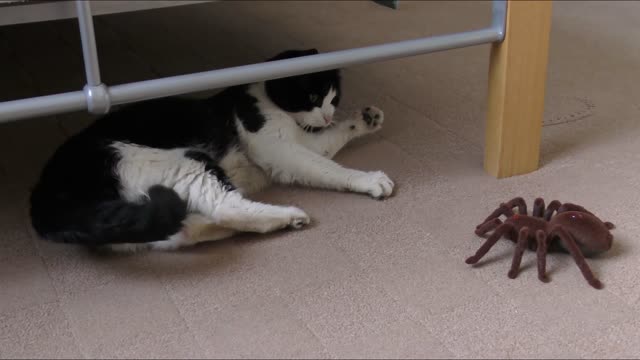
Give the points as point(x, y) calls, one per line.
point(517, 78)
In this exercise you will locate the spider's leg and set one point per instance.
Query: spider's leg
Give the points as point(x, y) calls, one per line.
point(503, 209)
point(551, 208)
point(570, 244)
point(488, 226)
point(506, 209)
point(541, 237)
point(523, 238)
point(538, 208)
point(492, 240)
point(609, 225)
point(520, 203)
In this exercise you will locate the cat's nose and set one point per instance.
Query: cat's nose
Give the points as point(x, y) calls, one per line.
point(328, 118)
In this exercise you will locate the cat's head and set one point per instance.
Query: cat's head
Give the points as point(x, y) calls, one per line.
point(311, 99)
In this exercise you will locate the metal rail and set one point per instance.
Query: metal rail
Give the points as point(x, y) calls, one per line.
point(98, 98)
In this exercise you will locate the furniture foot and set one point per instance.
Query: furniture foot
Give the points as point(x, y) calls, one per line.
point(517, 78)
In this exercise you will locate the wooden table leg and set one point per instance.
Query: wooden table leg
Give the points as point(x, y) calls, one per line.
point(517, 77)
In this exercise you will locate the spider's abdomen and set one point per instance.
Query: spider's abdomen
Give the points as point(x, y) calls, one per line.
point(591, 234)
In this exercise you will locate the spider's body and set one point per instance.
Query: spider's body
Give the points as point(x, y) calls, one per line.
point(573, 229)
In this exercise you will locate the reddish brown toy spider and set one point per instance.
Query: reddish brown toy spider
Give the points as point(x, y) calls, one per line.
point(573, 229)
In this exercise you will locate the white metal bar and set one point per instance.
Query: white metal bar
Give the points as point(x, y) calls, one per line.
point(88, 39)
point(181, 84)
point(176, 85)
point(42, 105)
point(96, 93)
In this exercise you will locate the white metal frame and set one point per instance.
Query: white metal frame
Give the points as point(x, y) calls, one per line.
point(97, 98)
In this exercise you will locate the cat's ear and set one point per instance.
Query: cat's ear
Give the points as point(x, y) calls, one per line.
point(289, 54)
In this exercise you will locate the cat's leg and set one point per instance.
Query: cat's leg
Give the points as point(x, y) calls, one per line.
point(238, 213)
point(197, 179)
point(193, 175)
point(233, 217)
point(233, 211)
point(291, 163)
point(197, 228)
point(234, 214)
point(245, 175)
point(329, 142)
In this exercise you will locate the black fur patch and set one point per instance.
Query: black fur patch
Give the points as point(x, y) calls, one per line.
point(293, 94)
point(236, 101)
point(211, 167)
point(314, 129)
point(170, 123)
point(77, 200)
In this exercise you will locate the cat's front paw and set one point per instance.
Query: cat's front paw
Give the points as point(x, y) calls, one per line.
point(373, 118)
point(376, 183)
point(367, 121)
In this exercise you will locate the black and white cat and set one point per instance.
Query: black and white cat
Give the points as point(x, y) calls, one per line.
point(173, 172)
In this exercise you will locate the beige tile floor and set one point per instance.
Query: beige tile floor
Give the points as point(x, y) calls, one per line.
point(368, 279)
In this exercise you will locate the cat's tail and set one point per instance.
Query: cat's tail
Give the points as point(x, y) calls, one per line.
point(115, 221)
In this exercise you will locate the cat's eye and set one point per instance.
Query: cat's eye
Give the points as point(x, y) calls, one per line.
point(313, 98)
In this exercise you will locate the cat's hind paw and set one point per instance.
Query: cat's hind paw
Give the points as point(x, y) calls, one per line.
point(298, 218)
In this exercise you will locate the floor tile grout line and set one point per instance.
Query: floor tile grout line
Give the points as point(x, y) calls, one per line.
point(57, 291)
point(406, 310)
point(30, 233)
point(47, 303)
point(304, 324)
point(169, 294)
point(278, 294)
point(420, 161)
point(441, 181)
point(443, 127)
point(72, 328)
point(31, 306)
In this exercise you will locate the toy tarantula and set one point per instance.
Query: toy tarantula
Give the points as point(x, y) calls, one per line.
point(573, 229)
